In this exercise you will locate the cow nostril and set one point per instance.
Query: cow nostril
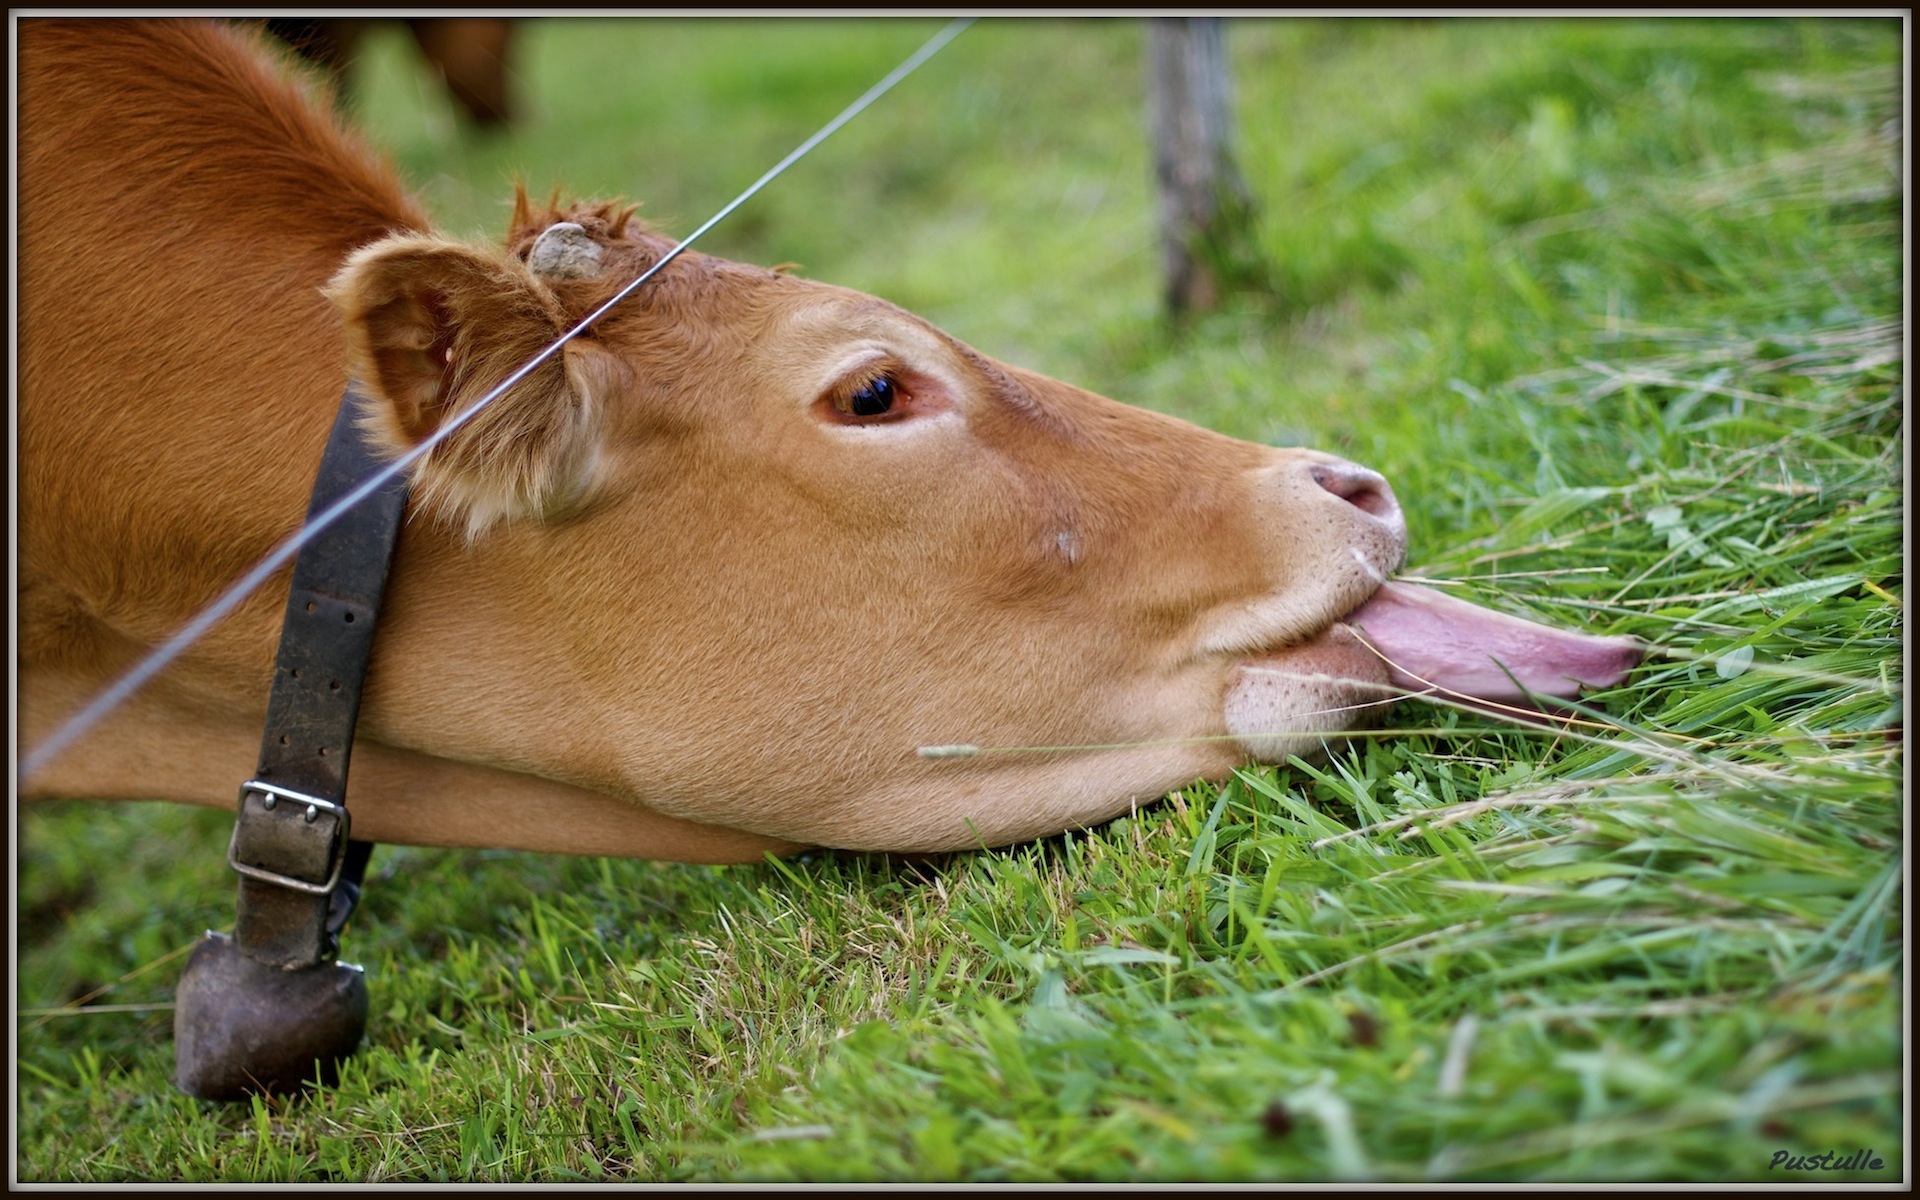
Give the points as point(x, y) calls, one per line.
point(1376, 500)
point(1366, 490)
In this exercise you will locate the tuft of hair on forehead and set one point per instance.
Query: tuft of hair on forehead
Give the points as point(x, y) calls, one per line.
point(606, 220)
point(630, 246)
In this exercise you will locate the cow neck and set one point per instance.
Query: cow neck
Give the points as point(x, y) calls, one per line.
point(300, 869)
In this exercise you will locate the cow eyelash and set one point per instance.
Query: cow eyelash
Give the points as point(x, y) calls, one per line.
point(875, 395)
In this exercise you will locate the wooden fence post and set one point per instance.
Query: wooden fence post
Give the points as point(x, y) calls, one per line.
point(1206, 213)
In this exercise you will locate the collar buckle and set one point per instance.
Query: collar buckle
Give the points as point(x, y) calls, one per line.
point(288, 838)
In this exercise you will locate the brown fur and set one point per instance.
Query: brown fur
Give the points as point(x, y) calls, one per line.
point(670, 598)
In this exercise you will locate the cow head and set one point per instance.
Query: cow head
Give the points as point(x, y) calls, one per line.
point(754, 541)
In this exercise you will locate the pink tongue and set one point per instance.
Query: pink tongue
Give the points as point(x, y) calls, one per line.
point(1435, 643)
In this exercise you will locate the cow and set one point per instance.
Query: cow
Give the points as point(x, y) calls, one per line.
point(705, 585)
point(471, 55)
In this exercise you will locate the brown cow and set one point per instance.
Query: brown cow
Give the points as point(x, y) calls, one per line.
point(469, 54)
point(701, 586)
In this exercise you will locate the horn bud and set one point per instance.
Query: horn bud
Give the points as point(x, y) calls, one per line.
point(564, 250)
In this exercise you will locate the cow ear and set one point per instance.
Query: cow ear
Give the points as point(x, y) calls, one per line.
point(432, 327)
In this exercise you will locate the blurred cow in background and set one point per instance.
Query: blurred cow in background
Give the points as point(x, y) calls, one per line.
point(470, 54)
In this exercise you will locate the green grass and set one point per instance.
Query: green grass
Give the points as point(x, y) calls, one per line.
point(1617, 306)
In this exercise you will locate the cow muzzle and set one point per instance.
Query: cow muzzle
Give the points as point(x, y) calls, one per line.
point(1364, 489)
point(1325, 514)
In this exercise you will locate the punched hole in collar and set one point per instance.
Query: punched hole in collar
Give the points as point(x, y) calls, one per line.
point(310, 606)
point(349, 618)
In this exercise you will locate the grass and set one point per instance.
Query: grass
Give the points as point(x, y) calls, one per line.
point(1616, 304)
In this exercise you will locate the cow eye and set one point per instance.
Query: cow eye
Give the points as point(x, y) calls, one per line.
point(874, 398)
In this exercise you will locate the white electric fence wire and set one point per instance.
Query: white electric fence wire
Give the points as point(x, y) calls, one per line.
point(173, 647)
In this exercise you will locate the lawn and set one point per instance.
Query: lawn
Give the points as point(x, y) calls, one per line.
point(1616, 304)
